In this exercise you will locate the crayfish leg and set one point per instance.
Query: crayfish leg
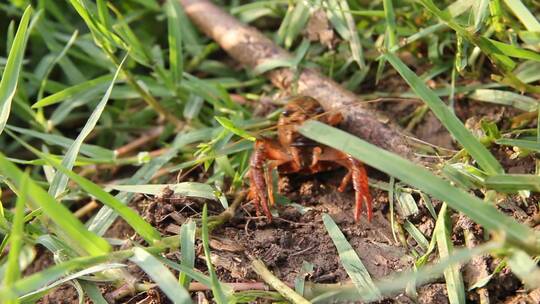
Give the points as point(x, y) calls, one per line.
point(267, 152)
point(257, 187)
point(361, 189)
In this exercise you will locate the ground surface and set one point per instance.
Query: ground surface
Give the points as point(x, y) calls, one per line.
point(298, 235)
point(206, 83)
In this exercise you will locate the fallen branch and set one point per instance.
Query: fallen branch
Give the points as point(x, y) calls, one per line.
point(251, 48)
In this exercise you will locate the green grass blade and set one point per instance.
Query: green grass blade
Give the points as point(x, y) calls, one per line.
point(57, 58)
point(506, 98)
point(172, 8)
point(513, 182)
point(300, 280)
point(271, 64)
point(297, 22)
point(217, 289)
point(525, 268)
point(70, 225)
point(520, 143)
point(89, 150)
point(16, 235)
point(71, 91)
point(421, 178)
point(421, 261)
point(59, 181)
point(340, 16)
point(270, 279)
point(481, 12)
point(524, 15)
point(193, 107)
point(406, 204)
point(284, 26)
point(38, 280)
point(229, 125)
point(187, 248)
point(351, 262)
point(397, 283)
point(161, 275)
point(484, 158)
point(390, 16)
point(514, 51)
point(417, 235)
point(10, 76)
point(38, 293)
point(93, 292)
point(192, 189)
point(191, 272)
point(452, 275)
point(142, 227)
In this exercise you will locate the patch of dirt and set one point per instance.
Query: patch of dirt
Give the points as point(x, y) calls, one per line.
point(319, 29)
point(433, 293)
point(294, 238)
point(64, 294)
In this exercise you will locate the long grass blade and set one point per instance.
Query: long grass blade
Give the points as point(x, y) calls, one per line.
point(190, 189)
point(484, 158)
point(85, 272)
point(71, 91)
point(38, 280)
point(513, 182)
point(161, 275)
point(342, 20)
point(174, 35)
point(60, 180)
point(142, 227)
point(507, 98)
point(524, 15)
point(217, 289)
point(419, 177)
point(452, 275)
point(187, 248)
point(520, 143)
point(397, 283)
point(351, 262)
point(287, 292)
point(16, 236)
point(89, 150)
point(10, 76)
point(525, 268)
point(390, 17)
point(60, 215)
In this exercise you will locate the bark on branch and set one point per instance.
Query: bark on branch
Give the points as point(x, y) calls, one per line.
point(251, 48)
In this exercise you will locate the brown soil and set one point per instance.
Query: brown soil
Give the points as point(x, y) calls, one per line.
point(295, 237)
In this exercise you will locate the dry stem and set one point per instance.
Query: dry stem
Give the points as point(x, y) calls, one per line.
point(251, 48)
point(287, 292)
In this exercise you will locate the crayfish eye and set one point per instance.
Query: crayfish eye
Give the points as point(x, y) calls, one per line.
point(287, 112)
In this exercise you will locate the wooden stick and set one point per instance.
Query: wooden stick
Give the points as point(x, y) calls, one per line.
point(251, 48)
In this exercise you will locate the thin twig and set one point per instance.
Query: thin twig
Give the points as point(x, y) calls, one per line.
point(142, 140)
point(225, 216)
point(86, 209)
point(287, 292)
